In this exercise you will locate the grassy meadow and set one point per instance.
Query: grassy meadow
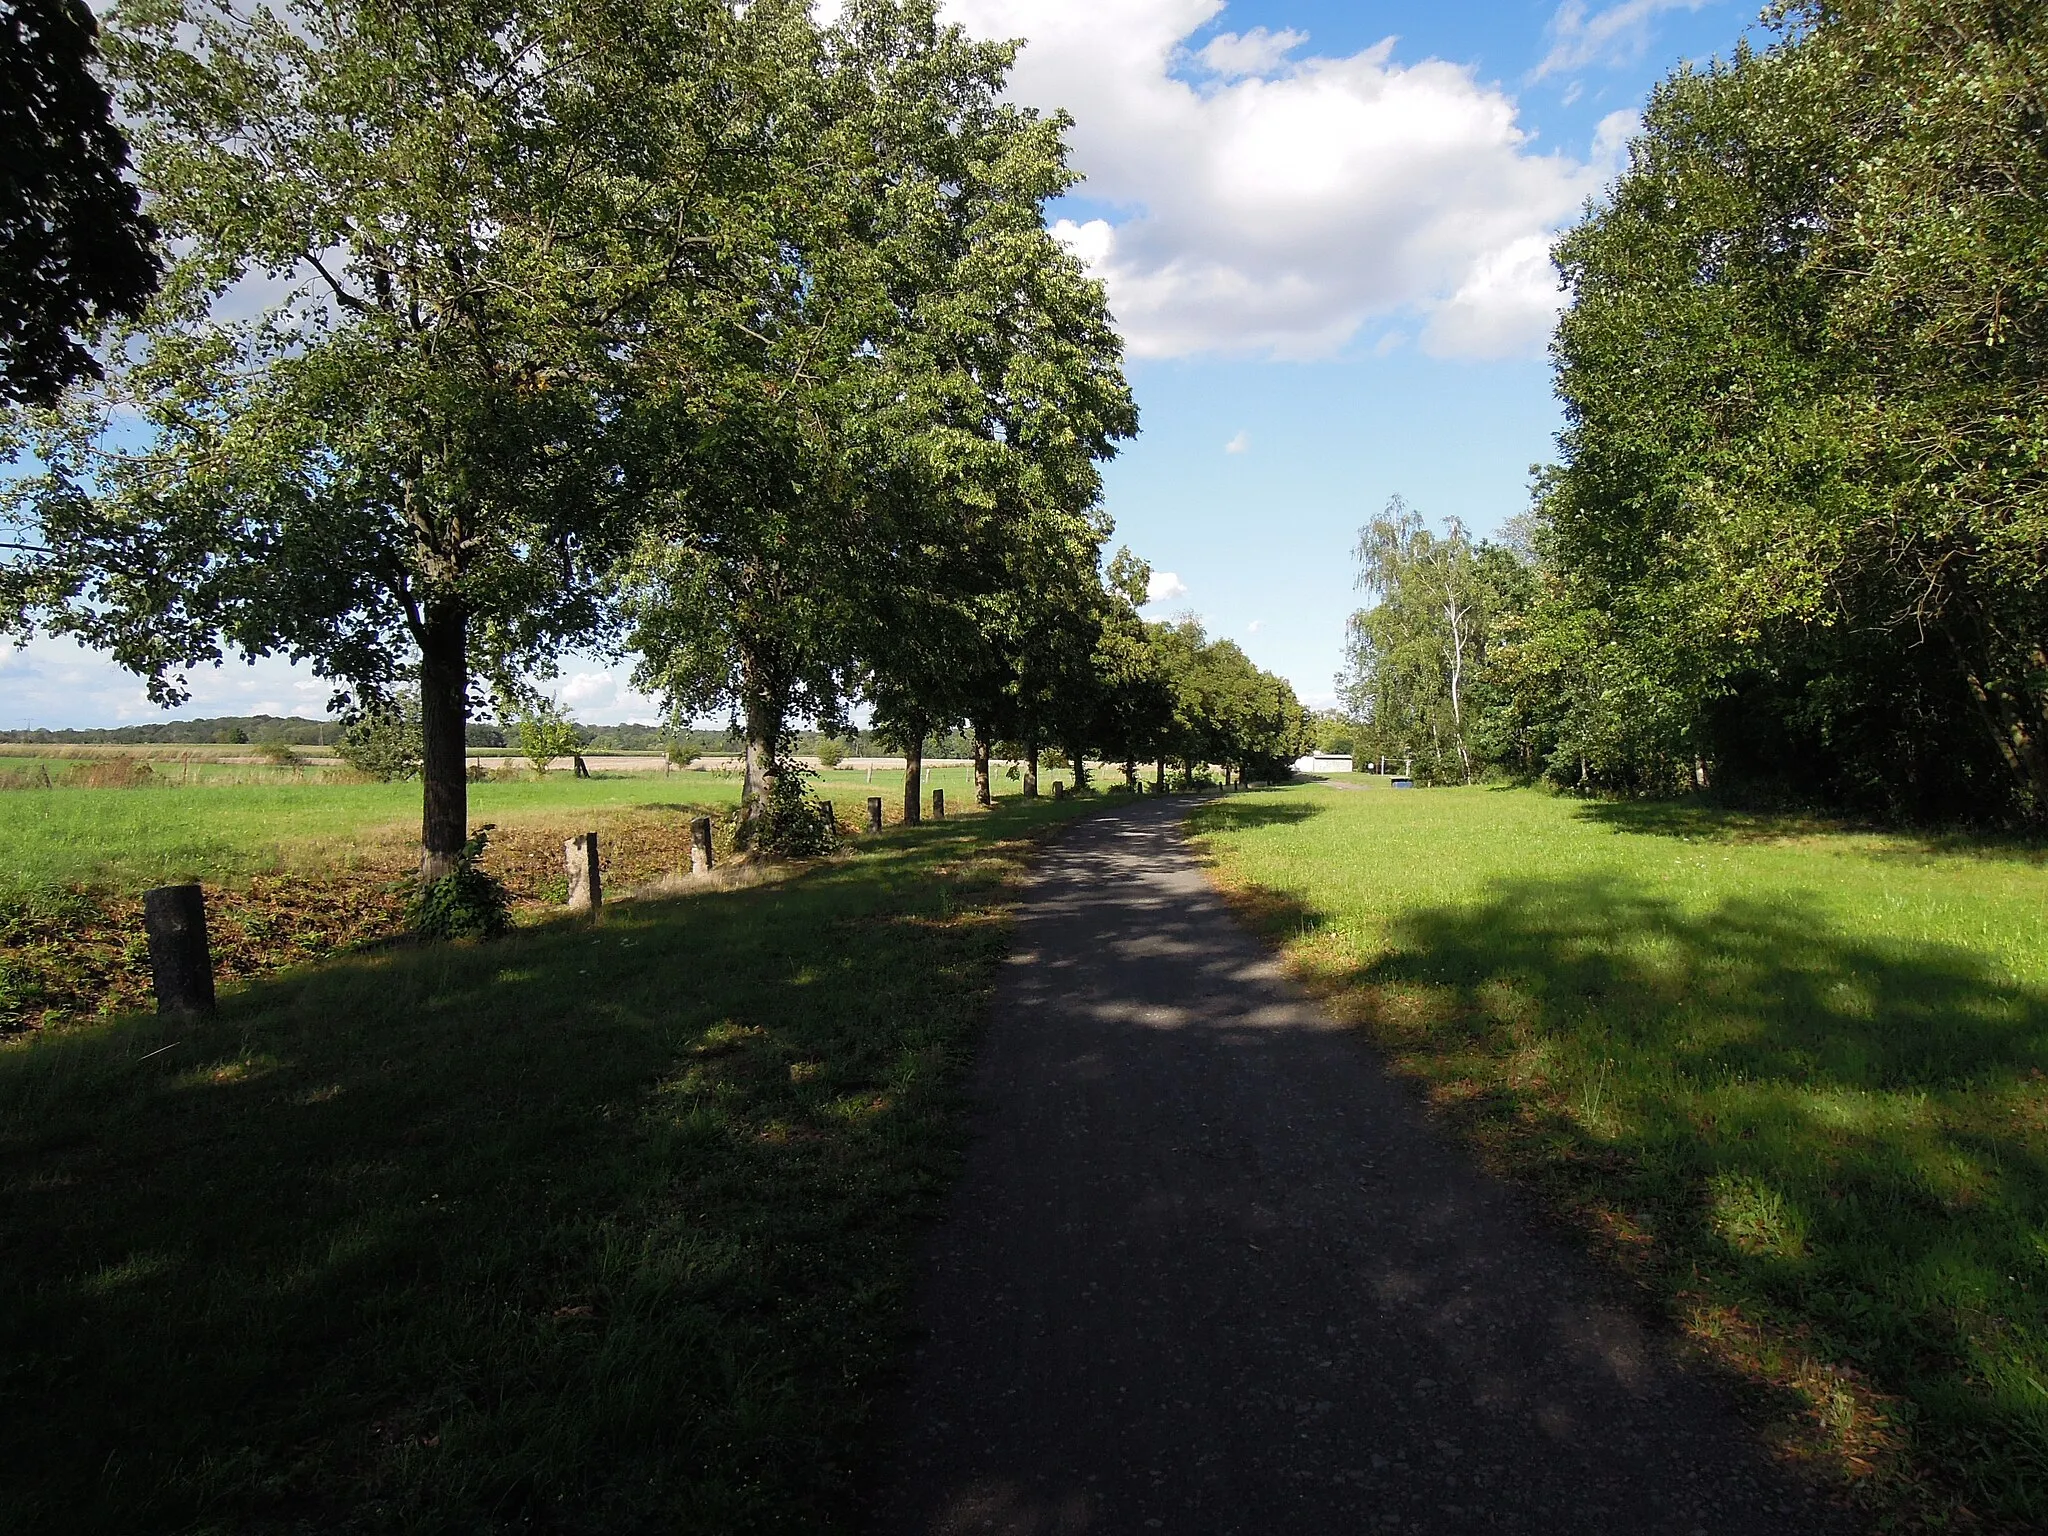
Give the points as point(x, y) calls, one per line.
point(255, 820)
point(300, 863)
point(1790, 1076)
point(600, 1227)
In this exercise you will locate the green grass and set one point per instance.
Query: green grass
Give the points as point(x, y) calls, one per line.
point(597, 1228)
point(1792, 1077)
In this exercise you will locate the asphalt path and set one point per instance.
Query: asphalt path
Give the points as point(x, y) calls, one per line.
point(1210, 1269)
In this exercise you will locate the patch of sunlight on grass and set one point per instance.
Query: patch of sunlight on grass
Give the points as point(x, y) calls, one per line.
point(1865, 1113)
point(856, 1110)
point(246, 1070)
point(1755, 1218)
point(131, 1271)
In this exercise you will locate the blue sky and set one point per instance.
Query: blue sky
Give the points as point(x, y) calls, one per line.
point(1322, 228)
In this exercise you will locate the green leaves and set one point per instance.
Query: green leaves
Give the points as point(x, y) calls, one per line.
point(1802, 494)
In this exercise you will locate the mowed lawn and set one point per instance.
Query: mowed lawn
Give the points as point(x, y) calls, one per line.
point(1792, 1078)
point(602, 1227)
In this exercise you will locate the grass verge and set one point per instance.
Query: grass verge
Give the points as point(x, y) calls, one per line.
point(601, 1227)
point(1791, 1078)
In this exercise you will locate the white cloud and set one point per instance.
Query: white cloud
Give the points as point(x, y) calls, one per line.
point(588, 690)
point(1255, 626)
point(1256, 202)
point(1505, 305)
point(1256, 52)
point(1164, 587)
point(1242, 443)
point(59, 684)
point(1618, 35)
point(606, 698)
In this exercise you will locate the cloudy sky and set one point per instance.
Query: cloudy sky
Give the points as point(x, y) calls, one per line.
point(1323, 225)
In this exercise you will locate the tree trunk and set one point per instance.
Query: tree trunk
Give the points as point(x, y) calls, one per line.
point(913, 780)
point(981, 791)
point(1131, 774)
point(766, 708)
point(2015, 724)
point(444, 713)
point(1159, 780)
point(1030, 768)
point(1078, 757)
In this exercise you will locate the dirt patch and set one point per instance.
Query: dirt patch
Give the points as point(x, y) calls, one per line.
point(69, 955)
point(72, 953)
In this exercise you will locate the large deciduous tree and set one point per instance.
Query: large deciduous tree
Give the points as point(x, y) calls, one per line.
point(370, 421)
point(937, 377)
point(1803, 512)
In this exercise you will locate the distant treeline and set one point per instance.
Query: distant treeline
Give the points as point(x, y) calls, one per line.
point(232, 730)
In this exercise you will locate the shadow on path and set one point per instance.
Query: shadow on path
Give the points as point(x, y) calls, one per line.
point(1211, 1270)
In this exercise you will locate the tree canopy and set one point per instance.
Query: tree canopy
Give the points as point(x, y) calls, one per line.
point(75, 247)
point(370, 420)
point(1797, 540)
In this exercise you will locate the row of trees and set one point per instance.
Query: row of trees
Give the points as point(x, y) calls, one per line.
point(1798, 536)
point(704, 332)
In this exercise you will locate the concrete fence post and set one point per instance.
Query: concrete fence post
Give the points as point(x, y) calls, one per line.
point(180, 963)
point(586, 891)
point(874, 813)
point(700, 846)
point(938, 805)
point(831, 819)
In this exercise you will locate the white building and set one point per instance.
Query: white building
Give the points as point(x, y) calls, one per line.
point(1323, 762)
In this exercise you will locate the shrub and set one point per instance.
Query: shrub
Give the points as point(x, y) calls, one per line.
point(795, 826)
point(384, 743)
point(466, 903)
point(545, 734)
point(831, 753)
point(280, 753)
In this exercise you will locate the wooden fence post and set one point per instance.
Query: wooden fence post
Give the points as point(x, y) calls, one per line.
point(586, 891)
point(831, 819)
point(180, 963)
point(938, 805)
point(874, 813)
point(700, 846)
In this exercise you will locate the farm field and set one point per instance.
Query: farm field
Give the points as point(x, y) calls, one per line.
point(269, 819)
point(297, 867)
point(1789, 1077)
point(602, 1226)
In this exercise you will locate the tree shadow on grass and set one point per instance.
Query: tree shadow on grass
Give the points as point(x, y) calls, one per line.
point(1841, 1139)
point(601, 1227)
point(1233, 815)
point(1704, 822)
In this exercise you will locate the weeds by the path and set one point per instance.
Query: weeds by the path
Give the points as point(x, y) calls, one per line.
point(1792, 1079)
point(602, 1227)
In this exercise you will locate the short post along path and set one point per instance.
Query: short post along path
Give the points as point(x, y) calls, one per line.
point(1211, 1270)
